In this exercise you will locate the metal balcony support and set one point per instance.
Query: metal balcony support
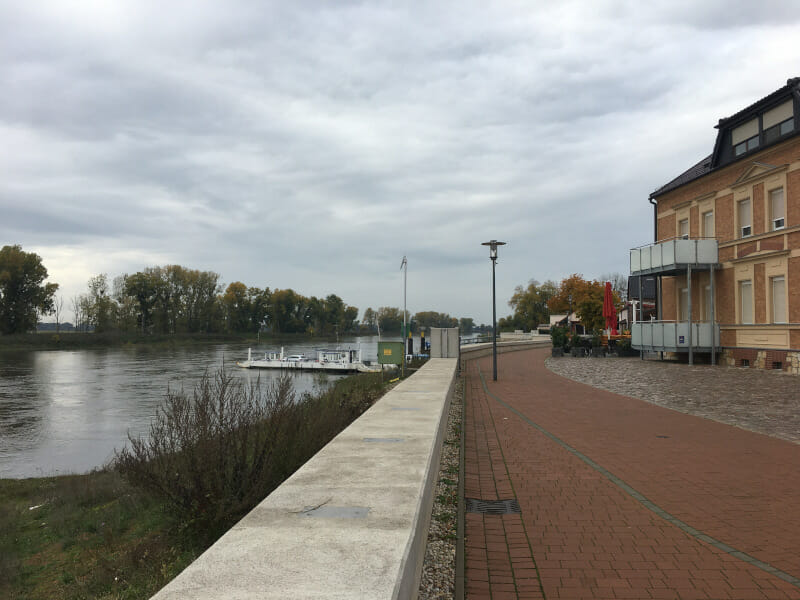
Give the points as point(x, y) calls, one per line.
point(713, 300)
point(689, 306)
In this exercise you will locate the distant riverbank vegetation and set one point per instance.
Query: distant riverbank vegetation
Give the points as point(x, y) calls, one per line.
point(212, 455)
point(175, 300)
point(534, 304)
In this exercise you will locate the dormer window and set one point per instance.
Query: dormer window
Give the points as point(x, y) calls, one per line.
point(778, 122)
point(745, 137)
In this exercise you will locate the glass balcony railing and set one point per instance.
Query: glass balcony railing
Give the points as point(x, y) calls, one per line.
point(674, 336)
point(673, 254)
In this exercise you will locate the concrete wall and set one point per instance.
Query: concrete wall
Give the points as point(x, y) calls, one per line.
point(444, 342)
point(350, 523)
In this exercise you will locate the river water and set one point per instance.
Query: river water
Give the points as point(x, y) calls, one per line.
point(66, 411)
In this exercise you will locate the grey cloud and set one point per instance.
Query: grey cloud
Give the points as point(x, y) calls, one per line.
point(311, 145)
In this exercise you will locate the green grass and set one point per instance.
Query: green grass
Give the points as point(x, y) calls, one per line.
point(92, 536)
point(98, 536)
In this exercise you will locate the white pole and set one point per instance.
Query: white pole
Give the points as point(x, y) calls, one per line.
point(404, 266)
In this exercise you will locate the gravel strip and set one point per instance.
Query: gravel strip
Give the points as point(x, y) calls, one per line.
point(766, 402)
point(439, 567)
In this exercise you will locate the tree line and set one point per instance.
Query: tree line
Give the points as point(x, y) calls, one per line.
point(174, 299)
point(534, 304)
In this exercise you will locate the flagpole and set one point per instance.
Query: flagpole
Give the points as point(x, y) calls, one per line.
point(404, 266)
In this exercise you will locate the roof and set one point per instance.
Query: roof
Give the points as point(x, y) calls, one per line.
point(745, 112)
point(692, 173)
point(718, 158)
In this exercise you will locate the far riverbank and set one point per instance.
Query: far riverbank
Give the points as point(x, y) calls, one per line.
point(49, 340)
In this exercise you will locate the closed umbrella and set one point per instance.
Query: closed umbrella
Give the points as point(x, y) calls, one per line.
point(609, 310)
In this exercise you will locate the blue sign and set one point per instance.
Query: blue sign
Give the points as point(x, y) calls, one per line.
point(680, 339)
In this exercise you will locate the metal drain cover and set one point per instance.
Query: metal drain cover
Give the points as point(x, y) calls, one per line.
point(492, 507)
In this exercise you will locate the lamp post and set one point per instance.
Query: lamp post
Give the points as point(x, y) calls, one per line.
point(493, 257)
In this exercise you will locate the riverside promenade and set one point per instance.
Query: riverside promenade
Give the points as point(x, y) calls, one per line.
point(610, 497)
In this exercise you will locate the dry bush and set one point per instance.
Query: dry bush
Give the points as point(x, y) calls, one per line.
point(214, 454)
point(210, 454)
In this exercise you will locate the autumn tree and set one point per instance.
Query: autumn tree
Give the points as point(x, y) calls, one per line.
point(466, 325)
point(584, 297)
point(390, 319)
point(429, 318)
point(23, 294)
point(236, 306)
point(369, 320)
point(530, 306)
point(102, 307)
point(619, 284)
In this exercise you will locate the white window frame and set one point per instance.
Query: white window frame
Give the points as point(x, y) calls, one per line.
point(745, 288)
point(776, 223)
point(681, 234)
point(749, 226)
point(683, 304)
point(706, 232)
point(783, 299)
point(707, 302)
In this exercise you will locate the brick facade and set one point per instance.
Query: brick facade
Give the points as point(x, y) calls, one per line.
point(765, 259)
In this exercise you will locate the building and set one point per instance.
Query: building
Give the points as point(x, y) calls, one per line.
point(727, 253)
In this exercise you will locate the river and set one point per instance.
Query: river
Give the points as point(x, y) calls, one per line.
point(66, 411)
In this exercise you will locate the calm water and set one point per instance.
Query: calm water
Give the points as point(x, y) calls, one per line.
point(66, 411)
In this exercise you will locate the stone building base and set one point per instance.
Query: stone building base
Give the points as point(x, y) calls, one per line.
point(785, 360)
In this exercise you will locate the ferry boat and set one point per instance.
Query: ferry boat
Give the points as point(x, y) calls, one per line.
point(342, 361)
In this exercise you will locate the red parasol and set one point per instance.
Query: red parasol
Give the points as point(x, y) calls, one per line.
point(609, 310)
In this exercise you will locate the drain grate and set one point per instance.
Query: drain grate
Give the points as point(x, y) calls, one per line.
point(492, 507)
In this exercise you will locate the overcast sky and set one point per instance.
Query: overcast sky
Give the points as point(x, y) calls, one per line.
point(313, 144)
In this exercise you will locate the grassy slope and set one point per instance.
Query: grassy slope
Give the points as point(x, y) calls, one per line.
point(96, 536)
point(93, 536)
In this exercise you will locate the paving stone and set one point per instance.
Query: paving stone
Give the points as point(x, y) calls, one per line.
point(576, 456)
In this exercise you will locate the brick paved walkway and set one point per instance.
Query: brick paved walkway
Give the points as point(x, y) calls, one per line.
point(620, 498)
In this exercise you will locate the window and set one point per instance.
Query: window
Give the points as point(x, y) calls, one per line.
point(746, 301)
point(778, 121)
point(745, 137)
point(684, 305)
point(776, 209)
point(743, 213)
point(707, 303)
point(746, 145)
point(683, 229)
point(708, 224)
point(778, 285)
point(776, 131)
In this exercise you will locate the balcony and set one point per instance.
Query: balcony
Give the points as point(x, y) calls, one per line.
point(673, 256)
point(675, 336)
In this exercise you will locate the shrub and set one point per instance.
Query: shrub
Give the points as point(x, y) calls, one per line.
point(559, 337)
point(578, 341)
point(209, 454)
point(217, 453)
point(596, 339)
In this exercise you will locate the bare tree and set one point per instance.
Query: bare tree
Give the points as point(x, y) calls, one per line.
point(619, 283)
point(58, 311)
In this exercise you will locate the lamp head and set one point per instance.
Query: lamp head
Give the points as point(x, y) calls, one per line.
point(493, 248)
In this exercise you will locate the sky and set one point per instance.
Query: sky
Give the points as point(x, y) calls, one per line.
point(311, 145)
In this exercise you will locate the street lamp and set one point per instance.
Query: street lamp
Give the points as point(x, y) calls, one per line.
point(493, 257)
